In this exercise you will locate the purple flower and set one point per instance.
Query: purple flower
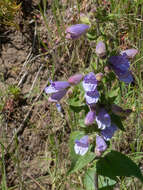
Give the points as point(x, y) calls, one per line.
point(101, 145)
point(58, 89)
point(130, 53)
point(90, 82)
point(75, 79)
point(90, 117)
point(92, 97)
point(103, 119)
point(120, 65)
point(100, 49)
point(109, 132)
point(75, 31)
point(81, 146)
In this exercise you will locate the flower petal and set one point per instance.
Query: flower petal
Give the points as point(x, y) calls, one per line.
point(103, 119)
point(90, 82)
point(90, 118)
point(109, 132)
point(56, 97)
point(81, 146)
point(101, 145)
point(92, 97)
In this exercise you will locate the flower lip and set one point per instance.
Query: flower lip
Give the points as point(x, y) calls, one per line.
point(90, 82)
point(81, 146)
point(92, 97)
point(103, 119)
point(109, 132)
point(56, 97)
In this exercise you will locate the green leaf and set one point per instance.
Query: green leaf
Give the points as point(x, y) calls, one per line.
point(104, 183)
point(117, 164)
point(78, 161)
point(113, 93)
point(117, 120)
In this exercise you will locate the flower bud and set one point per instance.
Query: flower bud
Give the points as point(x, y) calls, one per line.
point(107, 69)
point(99, 76)
point(119, 111)
point(100, 49)
point(90, 117)
point(130, 53)
point(75, 31)
point(75, 79)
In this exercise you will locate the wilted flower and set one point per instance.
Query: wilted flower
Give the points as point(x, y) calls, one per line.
point(103, 119)
point(90, 118)
point(100, 49)
point(130, 53)
point(120, 65)
point(120, 111)
point(90, 84)
point(75, 79)
point(81, 146)
point(75, 31)
point(58, 89)
point(101, 145)
point(108, 132)
point(99, 76)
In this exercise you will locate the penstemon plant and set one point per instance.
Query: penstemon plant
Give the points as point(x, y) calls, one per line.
point(99, 116)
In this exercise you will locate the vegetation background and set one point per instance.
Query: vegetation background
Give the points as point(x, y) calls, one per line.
point(34, 151)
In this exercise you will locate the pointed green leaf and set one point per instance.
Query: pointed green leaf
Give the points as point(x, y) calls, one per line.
point(117, 164)
point(104, 183)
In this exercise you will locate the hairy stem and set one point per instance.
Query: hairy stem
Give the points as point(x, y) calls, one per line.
point(96, 181)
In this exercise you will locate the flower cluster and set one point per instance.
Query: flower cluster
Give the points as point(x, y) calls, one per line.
point(120, 64)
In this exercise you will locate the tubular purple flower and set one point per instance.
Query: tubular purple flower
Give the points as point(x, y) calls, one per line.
point(100, 49)
point(56, 87)
point(75, 79)
point(120, 65)
point(103, 119)
point(101, 145)
point(75, 31)
point(90, 118)
point(130, 53)
point(81, 146)
point(109, 132)
point(90, 82)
